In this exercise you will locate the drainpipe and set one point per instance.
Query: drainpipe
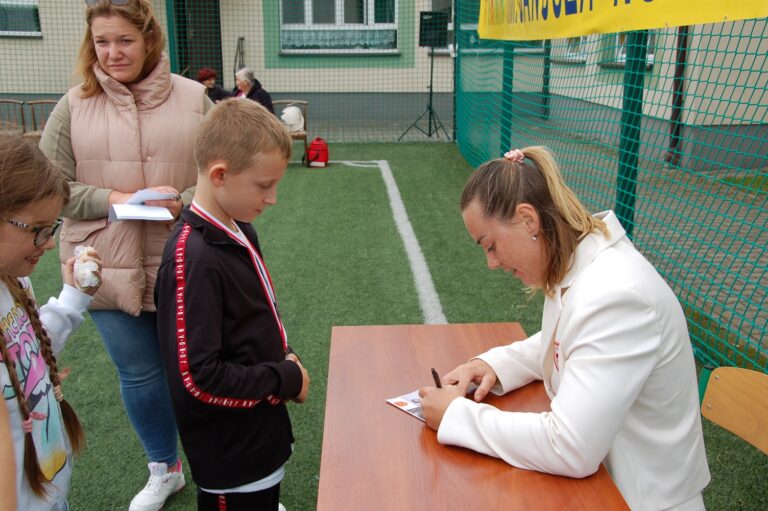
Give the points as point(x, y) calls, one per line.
point(678, 97)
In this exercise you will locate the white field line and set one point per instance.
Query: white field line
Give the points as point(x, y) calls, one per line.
point(429, 302)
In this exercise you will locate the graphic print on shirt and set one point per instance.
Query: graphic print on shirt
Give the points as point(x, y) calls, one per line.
point(24, 350)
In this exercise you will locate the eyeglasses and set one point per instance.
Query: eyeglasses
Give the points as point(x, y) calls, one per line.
point(42, 234)
point(113, 2)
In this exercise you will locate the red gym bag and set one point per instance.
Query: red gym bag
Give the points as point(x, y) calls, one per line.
point(317, 153)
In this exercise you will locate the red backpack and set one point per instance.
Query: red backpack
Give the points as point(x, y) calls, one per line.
point(317, 153)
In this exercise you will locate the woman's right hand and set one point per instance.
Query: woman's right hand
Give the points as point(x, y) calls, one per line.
point(475, 371)
point(173, 205)
point(116, 197)
point(304, 379)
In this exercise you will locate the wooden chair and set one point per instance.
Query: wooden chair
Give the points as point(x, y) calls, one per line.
point(280, 104)
point(737, 400)
point(41, 109)
point(11, 117)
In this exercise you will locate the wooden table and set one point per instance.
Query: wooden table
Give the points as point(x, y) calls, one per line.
point(376, 457)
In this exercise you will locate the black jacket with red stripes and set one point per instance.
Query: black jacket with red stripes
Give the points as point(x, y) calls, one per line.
point(215, 321)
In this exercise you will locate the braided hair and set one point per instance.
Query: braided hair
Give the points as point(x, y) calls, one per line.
point(26, 177)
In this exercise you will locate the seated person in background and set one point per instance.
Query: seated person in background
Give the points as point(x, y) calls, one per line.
point(613, 351)
point(207, 77)
point(247, 86)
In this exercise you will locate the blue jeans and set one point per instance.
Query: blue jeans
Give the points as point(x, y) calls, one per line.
point(133, 345)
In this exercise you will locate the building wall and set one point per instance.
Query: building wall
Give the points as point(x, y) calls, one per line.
point(45, 65)
point(728, 88)
point(407, 71)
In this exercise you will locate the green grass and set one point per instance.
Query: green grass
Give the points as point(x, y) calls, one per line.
point(755, 182)
point(718, 345)
point(336, 259)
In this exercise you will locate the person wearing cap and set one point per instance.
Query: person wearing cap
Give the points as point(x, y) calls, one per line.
point(207, 77)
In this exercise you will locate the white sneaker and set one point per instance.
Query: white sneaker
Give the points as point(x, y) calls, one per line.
point(280, 506)
point(161, 485)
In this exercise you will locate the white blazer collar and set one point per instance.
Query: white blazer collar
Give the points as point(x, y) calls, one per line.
point(592, 245)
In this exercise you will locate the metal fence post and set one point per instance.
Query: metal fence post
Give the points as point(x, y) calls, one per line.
point(173, 45)
point(631, 117)
point(456, 68)
point(507, 85)
point(706, 372)
point(545, 79)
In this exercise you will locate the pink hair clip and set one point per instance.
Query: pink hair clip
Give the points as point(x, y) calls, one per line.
point(515, 155)
point(26, 425)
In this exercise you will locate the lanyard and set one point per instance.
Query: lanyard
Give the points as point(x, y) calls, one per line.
point(258, 264)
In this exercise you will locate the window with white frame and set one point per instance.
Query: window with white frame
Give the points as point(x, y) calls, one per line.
point(621, 47)
point(338, 26)
point(19, 18)
point(574, 49)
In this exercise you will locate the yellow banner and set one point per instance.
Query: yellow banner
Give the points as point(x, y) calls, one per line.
point(528, 20)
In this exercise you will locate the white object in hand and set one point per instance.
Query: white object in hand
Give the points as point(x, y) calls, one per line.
point(86, 269)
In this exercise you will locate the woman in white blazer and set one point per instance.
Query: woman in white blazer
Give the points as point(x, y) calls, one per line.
point(613, 351)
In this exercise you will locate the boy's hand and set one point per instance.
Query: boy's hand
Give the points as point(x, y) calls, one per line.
point(305, 379)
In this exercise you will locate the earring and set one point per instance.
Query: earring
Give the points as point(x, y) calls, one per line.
point(534, 237)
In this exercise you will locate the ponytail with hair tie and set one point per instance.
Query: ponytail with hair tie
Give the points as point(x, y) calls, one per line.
point(515, 155)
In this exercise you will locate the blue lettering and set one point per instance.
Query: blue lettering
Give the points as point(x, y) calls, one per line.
point(544, 9)
point(556, 7)
point(570, 7)
point(529, 13)
point(626, 2)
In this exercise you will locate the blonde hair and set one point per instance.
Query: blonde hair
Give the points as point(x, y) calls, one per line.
point(500, 185)
point(138, 13)
point(236, 131)
point(26, 177)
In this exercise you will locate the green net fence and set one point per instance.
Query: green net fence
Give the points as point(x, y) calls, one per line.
point(668, 127)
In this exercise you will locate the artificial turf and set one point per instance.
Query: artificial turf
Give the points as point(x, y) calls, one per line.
point(336, 259)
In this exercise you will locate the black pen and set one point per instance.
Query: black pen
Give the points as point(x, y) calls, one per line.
point(437, 379)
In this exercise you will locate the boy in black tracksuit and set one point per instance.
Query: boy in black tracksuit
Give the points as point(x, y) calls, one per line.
point(225, 351)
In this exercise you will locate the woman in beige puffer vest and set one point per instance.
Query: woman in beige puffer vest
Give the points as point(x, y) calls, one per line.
point(129, 126)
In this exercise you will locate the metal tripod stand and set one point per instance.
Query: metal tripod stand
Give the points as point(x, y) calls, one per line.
point(432, 118)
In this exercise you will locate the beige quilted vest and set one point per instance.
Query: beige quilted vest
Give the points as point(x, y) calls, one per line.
point(128, 138)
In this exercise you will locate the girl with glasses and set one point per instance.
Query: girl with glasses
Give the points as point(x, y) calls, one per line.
point(44, 428)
